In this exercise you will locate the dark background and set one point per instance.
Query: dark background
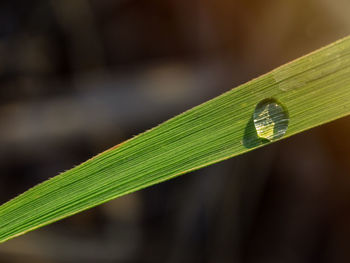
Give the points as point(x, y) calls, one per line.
point(77, 77)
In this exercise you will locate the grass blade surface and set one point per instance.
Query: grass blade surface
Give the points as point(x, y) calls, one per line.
point(314, 89)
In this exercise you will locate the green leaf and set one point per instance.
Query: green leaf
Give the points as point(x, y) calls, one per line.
point(313, 90)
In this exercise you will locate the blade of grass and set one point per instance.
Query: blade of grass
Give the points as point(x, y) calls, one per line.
point(315, 89)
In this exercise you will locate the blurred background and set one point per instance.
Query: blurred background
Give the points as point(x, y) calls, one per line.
point(79, 76)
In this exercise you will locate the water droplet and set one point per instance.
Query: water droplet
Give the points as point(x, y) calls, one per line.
point(270, 119)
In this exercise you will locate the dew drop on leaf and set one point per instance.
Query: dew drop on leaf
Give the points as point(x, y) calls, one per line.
point(270, 119)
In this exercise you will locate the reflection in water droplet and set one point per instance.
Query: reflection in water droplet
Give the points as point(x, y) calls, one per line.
point(270, 119)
